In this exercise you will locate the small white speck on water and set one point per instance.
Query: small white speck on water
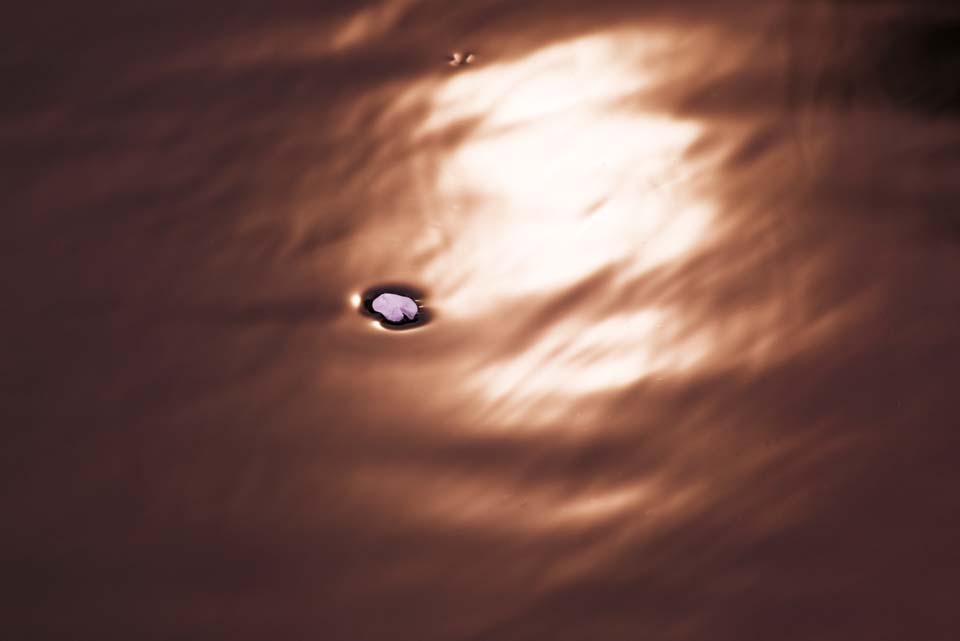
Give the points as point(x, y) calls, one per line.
point(460, 58)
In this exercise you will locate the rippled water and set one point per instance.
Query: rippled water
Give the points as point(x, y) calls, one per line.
point(690, 370)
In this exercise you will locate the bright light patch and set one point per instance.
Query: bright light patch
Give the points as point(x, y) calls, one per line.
point(565, 179)
point(559, 176)
point(565, 76)
point(572, 360)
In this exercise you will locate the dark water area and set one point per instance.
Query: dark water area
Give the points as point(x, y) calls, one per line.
point(692, 365)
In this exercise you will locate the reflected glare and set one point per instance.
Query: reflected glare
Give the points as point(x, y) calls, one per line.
point(555, 182)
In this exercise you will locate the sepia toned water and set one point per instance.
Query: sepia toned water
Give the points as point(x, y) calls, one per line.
point(693, 280)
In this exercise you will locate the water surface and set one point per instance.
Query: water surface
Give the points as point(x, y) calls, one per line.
point(691, 366)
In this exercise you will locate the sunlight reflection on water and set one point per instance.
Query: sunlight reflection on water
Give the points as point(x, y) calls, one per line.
point(561, 184)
